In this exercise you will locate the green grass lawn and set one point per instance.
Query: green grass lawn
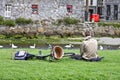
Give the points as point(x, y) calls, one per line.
point(64, 69)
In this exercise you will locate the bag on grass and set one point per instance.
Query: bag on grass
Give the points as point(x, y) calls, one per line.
point(20, 55)
point(23, 55)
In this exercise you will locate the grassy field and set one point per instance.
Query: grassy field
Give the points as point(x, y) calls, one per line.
point(64, 69)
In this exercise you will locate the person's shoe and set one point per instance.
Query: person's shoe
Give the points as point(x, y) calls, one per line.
point(96, 59)
point(99, 58)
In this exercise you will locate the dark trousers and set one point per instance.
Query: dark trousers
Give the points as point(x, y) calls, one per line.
point(79, 57)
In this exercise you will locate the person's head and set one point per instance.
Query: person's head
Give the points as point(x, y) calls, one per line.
point(87, 33)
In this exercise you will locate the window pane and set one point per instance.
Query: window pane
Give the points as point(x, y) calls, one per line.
point(115, 12)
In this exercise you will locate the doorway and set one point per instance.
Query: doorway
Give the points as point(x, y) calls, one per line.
point(91, 11)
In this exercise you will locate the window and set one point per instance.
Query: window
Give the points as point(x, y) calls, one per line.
point(100, 10)
point(69, 8)
point(116, 12)
point(100, 3)
point(91, 2)
point(108, 12)
point(34, 9)
point(8, 10)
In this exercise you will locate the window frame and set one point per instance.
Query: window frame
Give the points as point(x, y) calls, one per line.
point(34, 8)
point(69, 9)
point(8, 10)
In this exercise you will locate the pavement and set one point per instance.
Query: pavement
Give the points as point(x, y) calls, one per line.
point(108, 41)
point(102, 41)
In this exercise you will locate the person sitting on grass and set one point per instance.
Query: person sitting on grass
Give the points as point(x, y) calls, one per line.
point(88, 49)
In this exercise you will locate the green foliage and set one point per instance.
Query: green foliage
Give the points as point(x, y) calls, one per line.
point(1, 23)
point(20, 21)
point(69, 20)
point(23, 21)
point(114, 24)
point(9, 22)
point(60, 21)
point(63, 69)
point(17, 36)
point(2, 36)
point(28, 21)
point(1, 20)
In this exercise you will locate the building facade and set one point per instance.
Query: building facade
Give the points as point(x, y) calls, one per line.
point(108, 10)
point(57, 9)
point(42, 9)
point(92, 6)
point(111, 9)
point(100, 7)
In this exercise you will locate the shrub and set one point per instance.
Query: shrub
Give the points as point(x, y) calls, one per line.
point(69, 20)
point(59, 21)
point(114, 24)
point(17, 36)
point(20, 21)
point(9, 22)
point(23, 21)
point(1, 20)
point(28, 21)
point(2, 36)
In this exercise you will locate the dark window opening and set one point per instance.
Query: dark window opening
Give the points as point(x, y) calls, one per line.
point(91, 11)
point(115, 12)
point(108, 12)
point(100, 10)
point(91, 2)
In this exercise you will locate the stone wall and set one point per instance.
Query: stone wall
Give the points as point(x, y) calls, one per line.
point(47, 9)
point(49, 29)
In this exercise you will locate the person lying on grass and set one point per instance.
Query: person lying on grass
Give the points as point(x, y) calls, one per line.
point(88, 49)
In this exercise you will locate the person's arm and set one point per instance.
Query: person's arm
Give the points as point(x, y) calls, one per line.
point(82, 49)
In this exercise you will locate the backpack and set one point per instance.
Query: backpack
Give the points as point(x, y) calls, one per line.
point(20, 55)
point(23, 55)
